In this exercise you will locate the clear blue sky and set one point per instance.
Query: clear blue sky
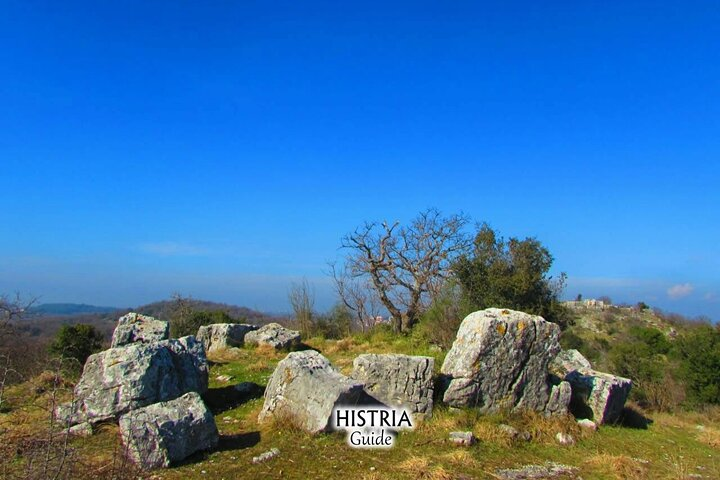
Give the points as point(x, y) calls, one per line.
point(221, 149)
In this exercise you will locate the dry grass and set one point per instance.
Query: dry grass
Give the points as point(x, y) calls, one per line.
point(420, 468)
point(710, 436)
point(342, 345)
point(543, 429)
point(621, 467)
point(461, 457)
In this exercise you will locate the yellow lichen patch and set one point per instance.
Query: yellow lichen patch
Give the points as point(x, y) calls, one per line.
point(501, 328)
point(521, 326)
point(505, 312)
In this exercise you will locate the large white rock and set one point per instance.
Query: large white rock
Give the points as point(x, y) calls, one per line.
point(135, 327)
point(220, 336)
point(274, 335)
point(397, 380)
point(165, 433)
point(121, 379)
point(305, 388)
point(500, 360)
point(568, 361)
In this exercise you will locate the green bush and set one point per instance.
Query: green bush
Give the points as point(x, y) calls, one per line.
point(699, 353)
point(439, 323)
point(76, 343)
point(188, 324)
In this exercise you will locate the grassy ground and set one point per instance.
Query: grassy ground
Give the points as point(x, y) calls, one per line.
point(678, 446)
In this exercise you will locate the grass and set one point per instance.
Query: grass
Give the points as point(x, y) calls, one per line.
point(672, 446)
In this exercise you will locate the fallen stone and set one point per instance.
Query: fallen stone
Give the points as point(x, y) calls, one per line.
point(224, 378)
point(569, 361)
point(305, 388)
point(165, 433)
point(598, 396)
point(564, 439)
point(125, 378)
point(220, 336)
point(464, 439)
point(587, 423)
point(264, 457)
point(274, 335)
point(397, 380)
point(499, 360)
point(135, 327)
point(537, 472)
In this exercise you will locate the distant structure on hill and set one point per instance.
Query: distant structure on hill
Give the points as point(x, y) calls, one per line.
point(591, 303)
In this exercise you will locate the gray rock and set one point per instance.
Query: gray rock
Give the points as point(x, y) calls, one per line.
point(500, 360)
point(264, 457)
point(464, 439)
point(135, 327)
point(587, 423)
point(84, 429)
point(598, 396)
point(121, 379)
point(564, 439)
point(397, 380)
point(165, 433)
point(305, 388)
point(569, 361)
point(274, 335)
point(560, 396)
point(220, 336)
point(538, 472)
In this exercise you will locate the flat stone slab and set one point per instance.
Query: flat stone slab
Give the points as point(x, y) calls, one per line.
point(598, 396)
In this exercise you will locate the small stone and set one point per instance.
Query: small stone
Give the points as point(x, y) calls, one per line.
point(224, 378)
point(564, 439)
point(264, 457)
point(81, 430)
point(513, 433)
point(464, 439)
point(274, 335)
point(587, 423)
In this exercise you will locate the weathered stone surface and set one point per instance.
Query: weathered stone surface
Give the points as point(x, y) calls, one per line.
point(513, 433)
point(398, 380)
point(121, 379)
point(464, 439)
point(164, 433)
point(135, 327)
point(568, 361)
point(598, 396)
point(223, 335)
point(274, 335)
point(500, 360)
point(560, 396)
point(547, 471)
point(305, 388)
point(265, 456)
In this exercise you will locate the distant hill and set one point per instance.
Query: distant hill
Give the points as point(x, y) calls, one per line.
point(163, 310)
point(69, 309)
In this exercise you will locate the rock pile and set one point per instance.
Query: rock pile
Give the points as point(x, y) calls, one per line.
point(151, 385)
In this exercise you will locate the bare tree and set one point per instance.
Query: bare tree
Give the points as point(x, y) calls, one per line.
point(302, 300)
point(358, 295)
point(406, 265)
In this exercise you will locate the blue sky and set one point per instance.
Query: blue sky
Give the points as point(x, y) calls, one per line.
point(221, 149)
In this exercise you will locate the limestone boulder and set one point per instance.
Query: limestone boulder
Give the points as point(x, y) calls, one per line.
point(220, 336)
point(305, 388)
point(568, 361)
point(559, 401)
point(398, 380)
point(162, 434)
point(125, 378)
point(135, 327)
point(598, 396)
point(499, 360)
point(274, 335)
